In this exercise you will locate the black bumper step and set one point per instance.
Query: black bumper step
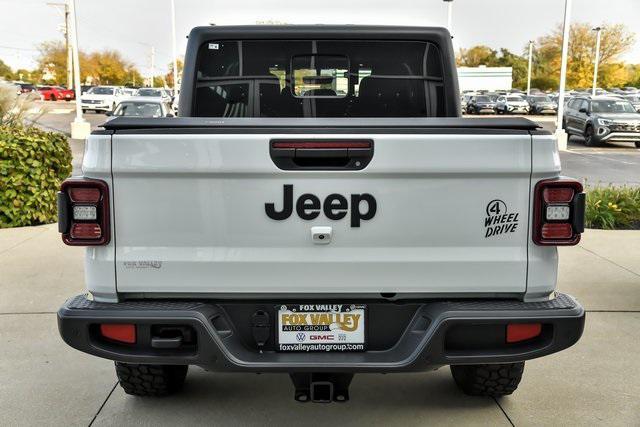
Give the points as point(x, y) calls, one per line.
point(412, 336)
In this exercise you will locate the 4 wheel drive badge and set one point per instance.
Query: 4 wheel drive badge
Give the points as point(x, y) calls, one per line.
point(499, 220)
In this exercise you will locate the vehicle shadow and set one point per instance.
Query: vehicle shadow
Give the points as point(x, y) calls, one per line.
point(250, 399)
point(576, 141)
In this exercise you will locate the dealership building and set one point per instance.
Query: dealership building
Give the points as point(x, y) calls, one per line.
point(487, 78)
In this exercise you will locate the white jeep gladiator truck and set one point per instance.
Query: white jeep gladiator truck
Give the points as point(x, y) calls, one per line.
point(319, 209)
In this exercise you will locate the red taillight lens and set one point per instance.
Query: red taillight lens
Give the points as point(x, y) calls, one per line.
point(558, 212)
point(121, 332)
point(87, 195)
point(517, 332)
point(558, 195)
point(557, 231)
point(83, 212)
point(86, 231)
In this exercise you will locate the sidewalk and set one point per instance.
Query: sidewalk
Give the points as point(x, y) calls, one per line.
point(44, 382)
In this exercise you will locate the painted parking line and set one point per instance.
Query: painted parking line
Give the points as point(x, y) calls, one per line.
point(602, 157)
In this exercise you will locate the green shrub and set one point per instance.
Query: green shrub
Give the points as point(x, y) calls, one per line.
point(33, 163)
point(613, 208)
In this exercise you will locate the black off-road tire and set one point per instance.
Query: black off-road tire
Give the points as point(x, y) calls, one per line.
point(488, 380)
point(151, 380)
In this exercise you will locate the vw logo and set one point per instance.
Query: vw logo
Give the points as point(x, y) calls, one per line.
point(300, 336)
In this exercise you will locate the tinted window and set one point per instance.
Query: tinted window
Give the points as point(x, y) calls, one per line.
point(319, 79)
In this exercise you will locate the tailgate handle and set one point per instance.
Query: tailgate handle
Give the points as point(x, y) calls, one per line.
point(321, 154)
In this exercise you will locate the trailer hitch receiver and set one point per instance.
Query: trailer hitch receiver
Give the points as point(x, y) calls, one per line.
point(320, 387)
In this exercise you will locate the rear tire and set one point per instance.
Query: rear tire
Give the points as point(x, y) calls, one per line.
point(488, 380)
point(637, 144)
point(150, 380)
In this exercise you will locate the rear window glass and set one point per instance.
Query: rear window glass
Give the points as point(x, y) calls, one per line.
point(323, 78)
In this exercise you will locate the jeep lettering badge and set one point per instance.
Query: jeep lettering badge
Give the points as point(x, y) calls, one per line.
point(335, 207)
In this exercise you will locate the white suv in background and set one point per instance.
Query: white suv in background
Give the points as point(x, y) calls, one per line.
point(102, 98)
point(512, 104)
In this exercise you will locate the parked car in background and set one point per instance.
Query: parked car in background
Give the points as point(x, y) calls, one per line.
point(142, 107)
point(463, 103)
point(55, 93)
point(602, 119)
point(153, 92)
point(26, 87)
point(481, 104)
point(66, 94)
point(542, 104)
point(511, 104)
point(634, 100)
point(129, 91)
point(101, 98)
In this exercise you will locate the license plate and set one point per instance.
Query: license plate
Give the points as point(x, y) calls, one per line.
point(321, 327)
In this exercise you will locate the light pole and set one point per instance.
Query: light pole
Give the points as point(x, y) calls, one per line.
point(80, 128)
point(449, 13)
point(595, 69)
point(173, 41)
point(67, 45)
point(560, 133)
point(153, 69)
point(529, 68)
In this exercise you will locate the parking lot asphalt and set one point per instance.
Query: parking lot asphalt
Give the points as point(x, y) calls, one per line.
point(617, 164)
point(45, 382)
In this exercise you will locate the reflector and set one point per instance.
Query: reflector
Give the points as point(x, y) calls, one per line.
point(123, 332)
point(557, 231)
point(522, 331)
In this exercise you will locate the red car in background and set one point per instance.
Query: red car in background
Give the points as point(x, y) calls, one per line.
point(55, 93)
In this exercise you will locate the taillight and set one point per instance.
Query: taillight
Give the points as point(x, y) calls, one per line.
point(83, 212)
point(558, 212)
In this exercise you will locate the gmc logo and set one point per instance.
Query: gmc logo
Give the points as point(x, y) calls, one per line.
point(335, 207)
point(321, 337)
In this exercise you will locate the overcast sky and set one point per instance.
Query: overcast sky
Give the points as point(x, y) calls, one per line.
point(132, 26)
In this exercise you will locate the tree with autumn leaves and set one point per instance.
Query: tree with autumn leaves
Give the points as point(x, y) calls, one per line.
point(615, 41)
point(107, 67)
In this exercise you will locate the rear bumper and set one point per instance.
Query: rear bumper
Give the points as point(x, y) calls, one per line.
point(402, 337)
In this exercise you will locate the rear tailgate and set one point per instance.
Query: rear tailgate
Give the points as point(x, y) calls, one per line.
point(451, 218)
